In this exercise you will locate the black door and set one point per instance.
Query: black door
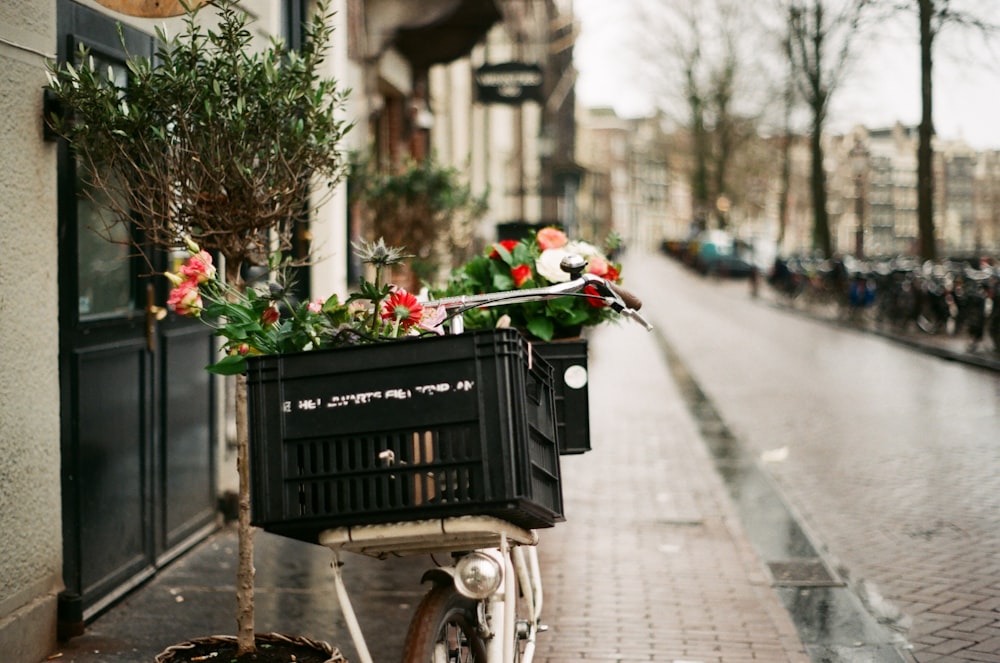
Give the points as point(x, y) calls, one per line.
point(138, 470)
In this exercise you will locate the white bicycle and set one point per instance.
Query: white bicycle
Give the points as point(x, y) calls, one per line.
point(485, 606)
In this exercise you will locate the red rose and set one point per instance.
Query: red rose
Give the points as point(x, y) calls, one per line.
point(508, 244)
point(596, 303)
point(521, 273)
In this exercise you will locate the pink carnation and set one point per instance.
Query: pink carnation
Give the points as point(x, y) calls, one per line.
point(199, 267)
point(597, 265)
point(185, 299)
point(551, 238)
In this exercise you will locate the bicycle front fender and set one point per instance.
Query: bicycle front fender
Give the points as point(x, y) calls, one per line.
point(439, 575)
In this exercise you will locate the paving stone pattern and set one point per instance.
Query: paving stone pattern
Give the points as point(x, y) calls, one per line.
point(910, 518)
point(651, 564)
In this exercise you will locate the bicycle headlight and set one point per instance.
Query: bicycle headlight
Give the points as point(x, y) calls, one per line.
point(477, 575)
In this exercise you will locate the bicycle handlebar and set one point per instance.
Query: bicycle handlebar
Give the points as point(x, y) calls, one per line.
point(632, 301)
point(619, 299)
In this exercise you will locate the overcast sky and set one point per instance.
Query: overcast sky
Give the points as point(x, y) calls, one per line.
point(884, 88)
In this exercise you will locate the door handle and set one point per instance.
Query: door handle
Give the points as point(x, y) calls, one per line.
point(154, 313)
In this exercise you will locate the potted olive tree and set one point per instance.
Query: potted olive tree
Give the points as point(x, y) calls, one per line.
point(220, 145)
point(425, 206)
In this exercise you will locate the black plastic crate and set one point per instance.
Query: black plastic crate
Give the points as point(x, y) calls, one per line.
point(570, 381)
point(407, 430)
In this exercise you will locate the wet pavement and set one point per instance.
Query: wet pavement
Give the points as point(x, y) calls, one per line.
point(886, 457)
point(831, 621)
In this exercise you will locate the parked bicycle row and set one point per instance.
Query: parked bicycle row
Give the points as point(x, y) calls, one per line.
point(956, 298)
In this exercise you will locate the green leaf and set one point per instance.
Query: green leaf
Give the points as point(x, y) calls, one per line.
point(228, 365)
point(525, 253)
point(504, 254)
point(502, 281)
point(543, 328)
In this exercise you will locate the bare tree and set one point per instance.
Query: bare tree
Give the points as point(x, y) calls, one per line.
point(788, 100)
point(820, 37)
point(934, 16)
point(692, 55)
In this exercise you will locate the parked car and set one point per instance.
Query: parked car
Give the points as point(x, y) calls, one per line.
point(716, 252)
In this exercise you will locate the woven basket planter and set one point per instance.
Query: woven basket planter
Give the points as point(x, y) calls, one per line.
point(271, 647)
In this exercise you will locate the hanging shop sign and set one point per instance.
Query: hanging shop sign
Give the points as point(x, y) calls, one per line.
point(509, 83)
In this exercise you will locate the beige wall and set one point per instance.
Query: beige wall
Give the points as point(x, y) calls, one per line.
point(329, 234)
point(31, 541)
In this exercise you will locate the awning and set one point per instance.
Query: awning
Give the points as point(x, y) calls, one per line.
point(450, 37)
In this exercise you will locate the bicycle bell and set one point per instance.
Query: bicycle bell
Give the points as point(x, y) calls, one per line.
point(573, 264)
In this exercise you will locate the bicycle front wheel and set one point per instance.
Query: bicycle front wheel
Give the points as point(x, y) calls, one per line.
point(443, 630)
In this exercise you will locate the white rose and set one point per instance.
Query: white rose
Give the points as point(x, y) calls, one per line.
point(582, 248)
point(548, 265)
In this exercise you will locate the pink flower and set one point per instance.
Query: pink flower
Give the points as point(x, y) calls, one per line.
point(597, 265)
point(185, 299)
point(551, 238)
point(432, 318)
point(199, 267)
point(521, 273)
point(402, 307)
point(316, 306)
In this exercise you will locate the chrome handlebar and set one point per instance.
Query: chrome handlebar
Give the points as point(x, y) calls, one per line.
point(617, 298)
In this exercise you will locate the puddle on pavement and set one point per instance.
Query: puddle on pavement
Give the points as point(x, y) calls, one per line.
point(831, 620)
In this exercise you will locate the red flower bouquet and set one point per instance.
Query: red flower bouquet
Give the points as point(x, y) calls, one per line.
point(533, 262)
point(263, 319)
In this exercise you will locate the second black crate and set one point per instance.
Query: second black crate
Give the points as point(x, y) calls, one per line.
point(570, 379)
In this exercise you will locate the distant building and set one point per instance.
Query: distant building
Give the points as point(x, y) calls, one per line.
point(603, 148)
point(966, 193)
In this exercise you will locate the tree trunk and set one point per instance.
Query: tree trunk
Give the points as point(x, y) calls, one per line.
point(245, 569)
point(925, 149)
point(245, 572)
point(788, 103)
point(785, 186)
point(821, 228)
point(699, 184)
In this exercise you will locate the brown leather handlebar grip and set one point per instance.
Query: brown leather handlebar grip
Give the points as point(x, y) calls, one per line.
point(630, 300)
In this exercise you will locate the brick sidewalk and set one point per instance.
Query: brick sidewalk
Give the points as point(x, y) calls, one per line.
point(652, 564)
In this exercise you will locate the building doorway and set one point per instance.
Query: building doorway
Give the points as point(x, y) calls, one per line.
point(137, 435)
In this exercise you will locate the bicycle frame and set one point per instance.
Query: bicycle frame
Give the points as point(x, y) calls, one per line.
point(512, 547)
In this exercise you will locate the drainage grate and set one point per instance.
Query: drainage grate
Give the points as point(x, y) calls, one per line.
point(810, 572)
